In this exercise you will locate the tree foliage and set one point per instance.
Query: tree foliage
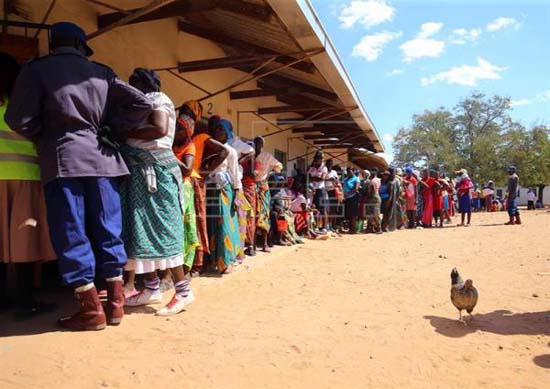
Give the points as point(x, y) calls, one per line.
point(479, 135)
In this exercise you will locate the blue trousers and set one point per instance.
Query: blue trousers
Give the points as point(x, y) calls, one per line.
point(512, 207)
point(85, 223)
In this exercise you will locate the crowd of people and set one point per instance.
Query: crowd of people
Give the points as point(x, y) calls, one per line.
point(137, 196)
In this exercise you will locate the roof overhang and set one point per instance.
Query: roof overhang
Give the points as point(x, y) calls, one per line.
point(304, 25)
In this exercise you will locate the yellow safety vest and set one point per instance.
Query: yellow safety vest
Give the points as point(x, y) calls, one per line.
point(18, 160)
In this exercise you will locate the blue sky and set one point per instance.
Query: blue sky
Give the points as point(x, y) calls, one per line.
point(405, 56)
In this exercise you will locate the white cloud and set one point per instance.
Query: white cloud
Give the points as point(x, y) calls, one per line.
point(368, 13)
point(396, 72)
point(543, 97)
point(429, 29)
point(500, 23)
point(371, 46)
point(466, 75)
point(423, 45)
point(518, 103)
point(461, 36)
point(388, 138)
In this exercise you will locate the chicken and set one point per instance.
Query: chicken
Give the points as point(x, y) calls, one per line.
point(463, 294)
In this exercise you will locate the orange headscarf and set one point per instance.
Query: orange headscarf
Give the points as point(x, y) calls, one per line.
point(195, 107)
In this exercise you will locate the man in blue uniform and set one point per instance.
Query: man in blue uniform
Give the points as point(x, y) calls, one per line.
point(61, 101)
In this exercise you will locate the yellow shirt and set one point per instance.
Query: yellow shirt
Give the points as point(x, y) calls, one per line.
point(18, 160)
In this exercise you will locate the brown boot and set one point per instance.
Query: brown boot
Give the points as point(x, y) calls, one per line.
point(511, 222)
point(90, 317)
point(518, 220)
point(115, 302)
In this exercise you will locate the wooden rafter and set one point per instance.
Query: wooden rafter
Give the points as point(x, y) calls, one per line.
point(253, 93)
point(320, 137)
point(185, 7)
point(111, 7)
point(151, 7)
point(254, 77)
point(288, 108)
point(228, 62)
point(243, 46)
point(277, 80)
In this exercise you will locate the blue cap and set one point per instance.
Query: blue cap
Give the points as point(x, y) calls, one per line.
point(70, 30)
point(408, 170)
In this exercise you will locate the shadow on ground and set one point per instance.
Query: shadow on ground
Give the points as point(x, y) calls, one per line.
point(542, 361)
point(500, 322)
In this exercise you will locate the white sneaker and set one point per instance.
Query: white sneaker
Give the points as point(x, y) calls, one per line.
point(176, 305)
point(145, 297)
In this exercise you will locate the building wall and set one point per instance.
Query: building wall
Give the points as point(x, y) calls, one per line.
point(159, 44)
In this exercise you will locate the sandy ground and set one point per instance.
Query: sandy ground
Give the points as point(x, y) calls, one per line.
point(356, 311)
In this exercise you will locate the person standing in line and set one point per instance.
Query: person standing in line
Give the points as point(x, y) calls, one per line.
point(352, 185)
point(209, 155)
point(531, 198)
point(331, 182)
point(463, 187)
point(317, 174)
point(266, 163)
point(245, 152)
point(427, 191)
point(371, 205)
point(410, 183)
point(488, 193)
point(439, 187)
point(224, 184)
point(152, 210)
point(61, 102)
point(512, 203)
point(24, 239)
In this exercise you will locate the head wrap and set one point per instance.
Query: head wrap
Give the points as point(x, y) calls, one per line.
point(148, 80)
point(409, 170)
point(193, 107)
point(398, 171)
point(366, 173)
point(227, 127)
point(187, 124)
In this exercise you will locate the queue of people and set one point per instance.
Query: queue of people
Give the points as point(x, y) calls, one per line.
point(138, 194)
point(134, 196)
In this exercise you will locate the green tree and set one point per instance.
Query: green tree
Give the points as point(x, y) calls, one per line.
point(529, 151)
point(430, 141)
point(481, 123)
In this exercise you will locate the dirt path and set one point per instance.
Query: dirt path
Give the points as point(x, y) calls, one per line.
point(361, 311)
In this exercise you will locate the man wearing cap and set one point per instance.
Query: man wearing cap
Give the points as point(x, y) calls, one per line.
point(60, 102)
point(511, 202)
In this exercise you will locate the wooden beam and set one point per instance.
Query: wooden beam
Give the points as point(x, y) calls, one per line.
point(254, 77)
point(278, 81)
point(220, 63)
point(252, 93)
point(327, 137)
point(151, 7)
point(109, 6)
point(301, 130)
point(246, 47)
point(254, 11)
point(287, 108)
point(176, 8)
